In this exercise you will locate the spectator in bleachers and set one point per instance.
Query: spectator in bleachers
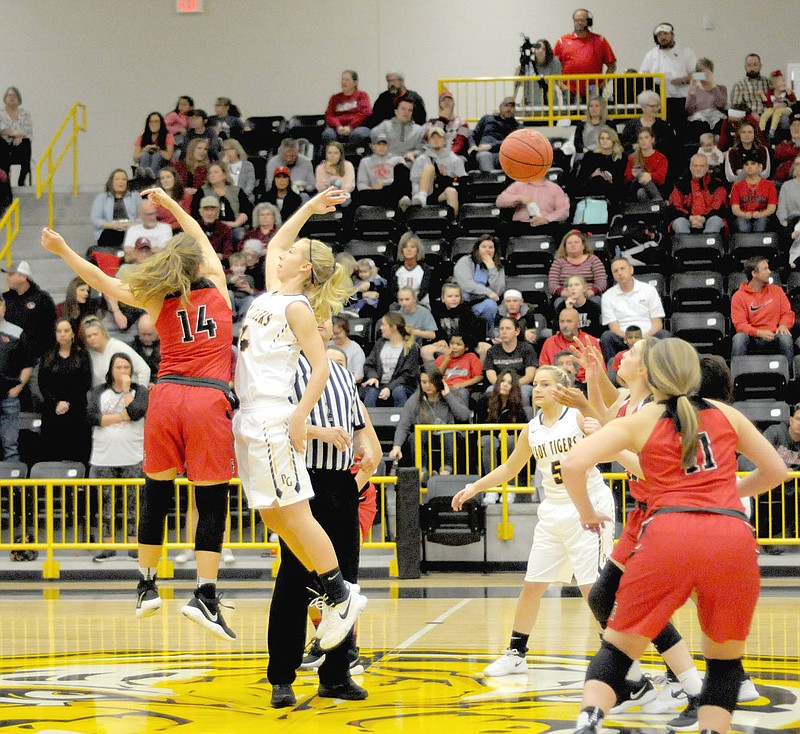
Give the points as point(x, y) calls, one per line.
point(200, 130)
point(226, 120)
point(752, 89)
point(787, 150)
point(435, 171)
point(29, 307)
point(512, 306)
point(778, 104)
point(346, 114)
point(353, 351)
point(650, 104)
point(633, 334)
point(419, 320)
point(432, 403)
point(300, 167)
point(65, 376)
point(281, 193)
point(588, 129)
point(729, 132)
point(241, 286)
point(412, 272)
point(454, 316)
point(266, 221)
point(147, 345)
point(568, 331)
point(193, 169)
point(218, 234)
point(370, 289)
point(460, 367)
point(746, 143)
point(391, 369)
point(404, 135)
point(754, 200)
point(568, 361)
point(789, 206)
point(240, 171)
point(646, 169)
point(234, 206)
point(114, 210)
point(255, 257)
point(540, 207)
point(116, 410)
point(490, 132)
point(170, 181)
point(17, 359)
point(504, 405)
point(336, 170)
point(456, 129)
point(16, 129)
point(677, 64)
point(482, 280)
point(577, 295)
point(147, 227)
point(574, 256)
point(602, 171)
point(541, 63)
point(177, 121)
point(707, 102)
point(383, 179)
point(630, 301)
point(511, 353)
point(698, 200)
point(761, 313)
point(78, 304)
point(707, 147)
point(154, 147)
point(584, 52)
point(102, 348)
point(387, 101)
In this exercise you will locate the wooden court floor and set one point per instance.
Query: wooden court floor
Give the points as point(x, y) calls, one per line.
point(73, 658)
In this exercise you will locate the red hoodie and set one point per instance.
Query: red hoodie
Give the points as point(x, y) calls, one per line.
point(768, 309)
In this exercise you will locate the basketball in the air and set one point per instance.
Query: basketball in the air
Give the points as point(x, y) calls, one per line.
point(526, 155)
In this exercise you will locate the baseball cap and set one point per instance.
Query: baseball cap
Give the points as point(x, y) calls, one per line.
point(436, 130)
point(736, 114)
point(509, 100)
point(663, 28)
point(282, 171)
point(794, 118)
point(750, 157)
point(445, 94)
point(380, 137)
point(22, 267)
point(143, 243)
point(209, 201)
point(512, 293)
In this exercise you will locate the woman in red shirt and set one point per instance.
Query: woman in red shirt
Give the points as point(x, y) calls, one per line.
point(646, 169)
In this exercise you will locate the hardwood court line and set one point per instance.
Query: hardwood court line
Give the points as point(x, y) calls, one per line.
point(431, 625)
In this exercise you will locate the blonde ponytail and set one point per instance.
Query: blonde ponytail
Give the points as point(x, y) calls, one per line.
point(330, 286)
point(687, 418)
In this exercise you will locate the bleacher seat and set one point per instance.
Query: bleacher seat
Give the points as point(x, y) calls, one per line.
point(381, 252)
point(265, 134)
point(477, 219)
point(759, 376)
point(744, 245)
point(326, 227)
point(530, 254)
point(697, 251)
point(429, 221)
point(483, 187)
point(385, 420)
point(534, 291)
point(599, 245)
point(436, 251)
point(764, 413)
point(706, 331)
point(736, 279)
point(13, 470)
point(696, 291)
point(461, 246)
point(361, 331)
point(309, 127)
point(374, 222)
point(656, 279)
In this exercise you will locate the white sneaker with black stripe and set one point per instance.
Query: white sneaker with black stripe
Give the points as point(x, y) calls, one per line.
point(205, 610)
point(671, 696)
point(510, 662)
point(338, 619)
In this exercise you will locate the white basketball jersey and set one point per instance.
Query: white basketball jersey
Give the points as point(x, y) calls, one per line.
point(268, 350)
point(550, 446)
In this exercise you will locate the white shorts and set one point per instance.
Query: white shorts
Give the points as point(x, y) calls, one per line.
point(270, 469)
point(562, 548)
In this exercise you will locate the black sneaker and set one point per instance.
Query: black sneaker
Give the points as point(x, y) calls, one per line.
point(637, 694)
point(314, 658)
point(347, 691)
point(105, 555)
point(148, 601)
point(282, 696)
point(205, 610)
point(687, 719)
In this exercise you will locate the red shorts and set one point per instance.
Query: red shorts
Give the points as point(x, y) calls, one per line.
point(189, 428)
point(629, 538)
point(367, 509)
point(680, 553)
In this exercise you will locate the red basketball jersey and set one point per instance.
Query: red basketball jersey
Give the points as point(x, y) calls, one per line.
point(711, 482)
point(196, 337)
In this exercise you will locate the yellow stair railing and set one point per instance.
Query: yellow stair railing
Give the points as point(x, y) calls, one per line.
point(9, 226)
point(76, 116)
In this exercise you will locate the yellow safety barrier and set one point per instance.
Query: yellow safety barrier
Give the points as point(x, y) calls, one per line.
point(50, 515)
point(9, 225)
point(76, 116)
point(564, 98)
point(480, 448)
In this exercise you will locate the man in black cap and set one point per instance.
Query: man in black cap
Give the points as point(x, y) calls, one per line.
point(490, 132)
point(29, 307)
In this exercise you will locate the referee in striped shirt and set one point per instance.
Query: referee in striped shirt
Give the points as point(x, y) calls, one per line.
point(339, 434)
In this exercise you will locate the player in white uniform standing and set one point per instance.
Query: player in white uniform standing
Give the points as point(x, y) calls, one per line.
point(561, 547)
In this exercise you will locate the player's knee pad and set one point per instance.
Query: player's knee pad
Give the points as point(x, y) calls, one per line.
point(667, 638)
point(610, 666)
point(154, 503)
point(212, 509)
point(604, 591)
point(721, 684)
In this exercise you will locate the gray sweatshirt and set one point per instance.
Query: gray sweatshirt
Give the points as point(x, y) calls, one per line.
point(402, 136)
point(448, 409)
point(377, 169)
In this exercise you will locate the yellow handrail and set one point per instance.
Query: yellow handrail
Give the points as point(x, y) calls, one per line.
point(10, 225)
point(47, 157)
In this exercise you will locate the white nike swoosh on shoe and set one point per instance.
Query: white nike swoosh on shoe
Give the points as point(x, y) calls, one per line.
point(213, 617)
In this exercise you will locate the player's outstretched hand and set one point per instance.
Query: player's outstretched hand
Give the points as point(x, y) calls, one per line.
point(572, 397)
point(465, 494)
point(159, 197)
point(53, 242)
point(326, 201)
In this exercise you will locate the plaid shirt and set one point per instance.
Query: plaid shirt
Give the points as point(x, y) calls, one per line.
point(750, 91)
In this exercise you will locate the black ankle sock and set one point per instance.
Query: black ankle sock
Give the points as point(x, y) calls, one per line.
point(519, 642)
point(334, 585)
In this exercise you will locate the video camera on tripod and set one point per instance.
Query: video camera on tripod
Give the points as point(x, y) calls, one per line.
point(526, 51)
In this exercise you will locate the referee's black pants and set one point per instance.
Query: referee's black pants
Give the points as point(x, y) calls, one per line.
point(335, 506)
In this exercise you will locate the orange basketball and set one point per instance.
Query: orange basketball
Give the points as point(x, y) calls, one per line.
point(526, 155)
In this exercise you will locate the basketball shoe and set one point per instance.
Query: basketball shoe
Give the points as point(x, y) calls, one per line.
point(687, 719)
point(637, 694)
point(338, 619)
point(671, 696)
point(148, 602)
point(205, 610)
point(510, 662)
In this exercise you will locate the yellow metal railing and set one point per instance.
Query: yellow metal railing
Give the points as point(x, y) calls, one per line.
point(77, 117)
point(51, 515)
point(9, 225)
point(563, 99)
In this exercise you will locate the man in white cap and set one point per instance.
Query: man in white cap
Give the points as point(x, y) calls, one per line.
point(677, 64)
point(30, 307)
point(157, 233)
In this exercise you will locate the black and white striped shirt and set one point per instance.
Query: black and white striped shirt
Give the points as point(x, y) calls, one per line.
point(338, 407)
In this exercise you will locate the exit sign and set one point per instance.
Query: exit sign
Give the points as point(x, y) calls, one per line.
point(189, 6)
